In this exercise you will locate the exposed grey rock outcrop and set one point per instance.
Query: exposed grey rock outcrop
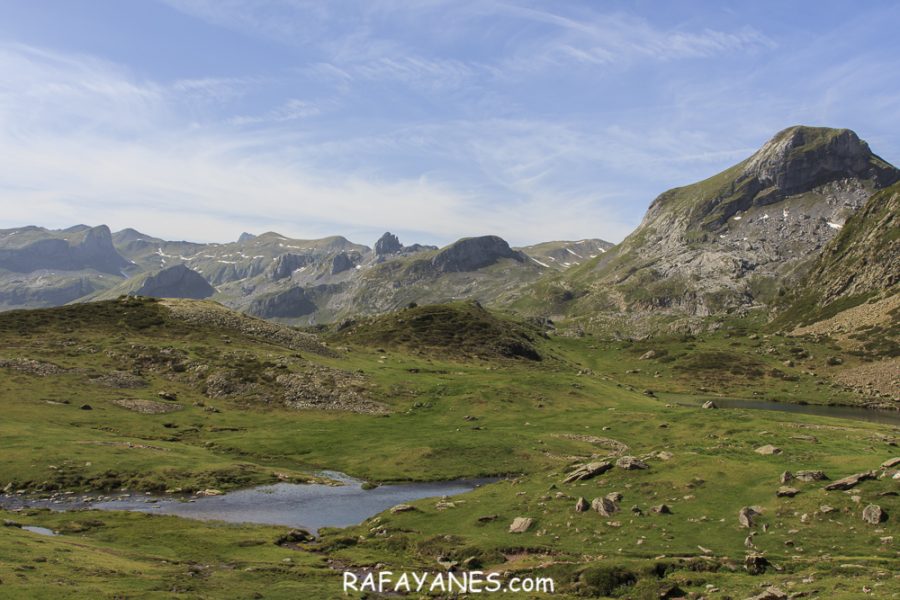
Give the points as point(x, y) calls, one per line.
point(344, 261)
point(471, 254)
point(286, 264)
point(287, 304)
point(388, 244)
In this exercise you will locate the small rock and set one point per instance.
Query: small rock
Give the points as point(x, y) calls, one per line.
point(604, 506)
point(662, 509)
point(873, 514)
point(825, 509)
point(891, 463)
point(787, 492)
point(86, 407)
point(488, 518)
point(402, 508)
point(588, 471)
point(210, 492)
point(168, 395)
point(649, 354)
point(664, 455)
point(811, 476)
point(520, 524)
point(745, 516)
point(631, 463)
point(755, 563)
point(581, 505)
point(851, 481)
point(294, 536)
point(770, 593)
point(786, 477)
point(768, 449)
point(710, 404)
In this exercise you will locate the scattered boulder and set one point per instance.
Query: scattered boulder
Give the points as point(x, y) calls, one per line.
point(755, 563)
point(294, 536)
point(488, 518)
point(825, 509)
point(891, 463)
point(615, 496)
point(605, 506)
point(581, 505)
point(787, 492)
point(873, 514)
point(770, 593)
point(768, 449)
point(809, 476)
point(649, 354)
point(165, 395)
point(402, 508)
point(664, 455)
point(587, 471)
point(746, 515)
point(521, 524)
point(710, 404)
point(787, 477)
point(210, 492)
point(850, 482)
point(631, 463)
point(662, 509)
point(86, 407)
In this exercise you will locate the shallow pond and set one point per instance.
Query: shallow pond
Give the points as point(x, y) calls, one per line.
point(308, 506)
point(886, 417)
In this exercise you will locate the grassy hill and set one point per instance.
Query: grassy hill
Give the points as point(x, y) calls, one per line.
point(460, 330)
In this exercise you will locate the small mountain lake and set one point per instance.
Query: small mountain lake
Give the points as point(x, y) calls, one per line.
point(873, 415)
point(307, 506)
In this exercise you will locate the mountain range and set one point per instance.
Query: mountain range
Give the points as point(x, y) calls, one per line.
point(741, 240)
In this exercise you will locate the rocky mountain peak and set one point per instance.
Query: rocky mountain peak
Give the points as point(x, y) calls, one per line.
point(800, 158)
point(388, 244)
point(470, 254)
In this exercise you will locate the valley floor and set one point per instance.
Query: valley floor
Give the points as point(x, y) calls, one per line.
point(530, 422)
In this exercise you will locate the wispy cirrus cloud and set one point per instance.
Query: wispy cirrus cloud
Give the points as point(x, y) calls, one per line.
point(437, 118)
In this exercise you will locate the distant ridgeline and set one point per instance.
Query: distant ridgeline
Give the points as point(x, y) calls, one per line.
point(806, 222)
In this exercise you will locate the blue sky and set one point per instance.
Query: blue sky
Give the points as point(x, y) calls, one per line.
point(200, 119)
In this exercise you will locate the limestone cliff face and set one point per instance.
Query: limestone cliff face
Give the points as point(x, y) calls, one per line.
point(741, 237)
point(76, 249)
